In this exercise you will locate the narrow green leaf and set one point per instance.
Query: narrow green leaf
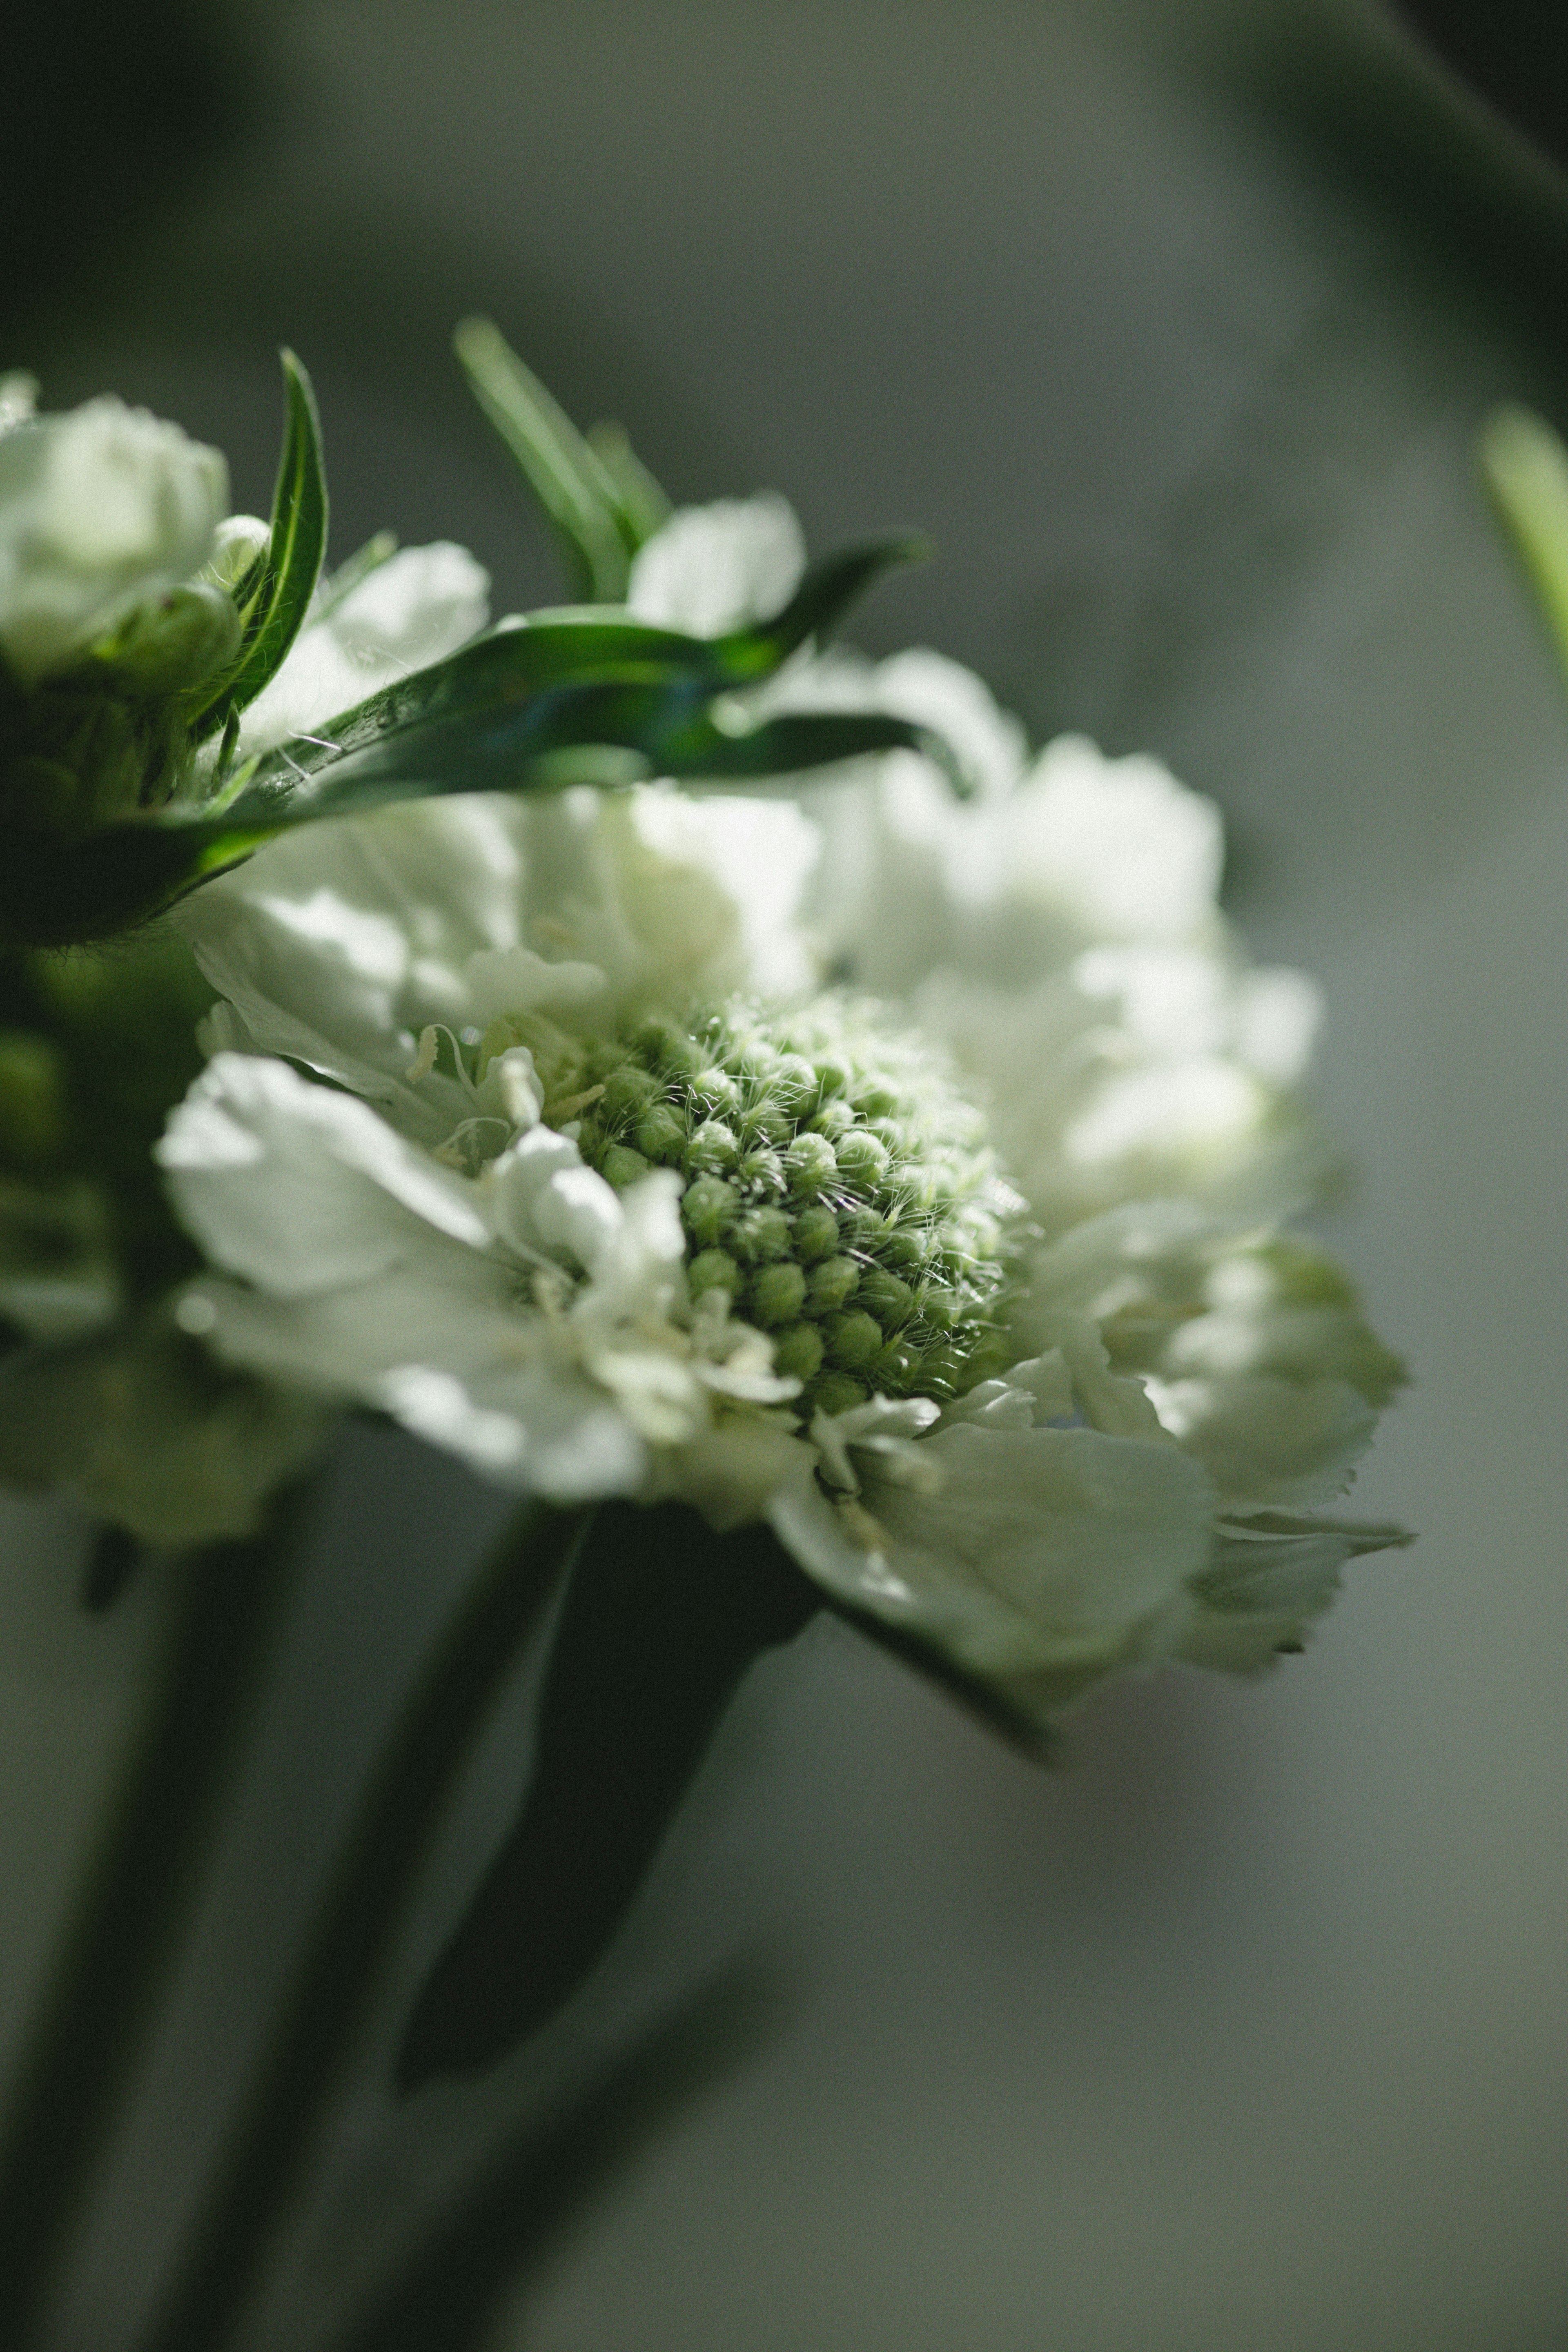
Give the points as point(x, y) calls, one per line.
point(662, 1620)
point(641, 506)
point(567, 475)
point(291, 566)
point(1526, 467)
point(818, 605)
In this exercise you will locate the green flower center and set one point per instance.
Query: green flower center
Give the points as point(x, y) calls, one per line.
point(836, 1185)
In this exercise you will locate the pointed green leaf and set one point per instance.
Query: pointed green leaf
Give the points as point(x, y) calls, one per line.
point(287, 580)
point(567, 475)
point(662, 1620)
point(818, 605)
point(641, 506)
point(1526, 467)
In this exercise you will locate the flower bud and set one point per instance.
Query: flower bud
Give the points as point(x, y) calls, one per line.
point(176, 642)
point(100, 511)
point(775, 1295)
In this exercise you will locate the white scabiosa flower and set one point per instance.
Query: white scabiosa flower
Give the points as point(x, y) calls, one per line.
point(907, 1174)
point(103, 510)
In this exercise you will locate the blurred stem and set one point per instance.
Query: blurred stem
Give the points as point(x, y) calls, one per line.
point(131, 1907)
point(338, 1971)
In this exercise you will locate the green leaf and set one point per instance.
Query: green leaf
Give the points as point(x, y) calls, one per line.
point(825, 593)
point(283, 590)
point(566, 474)
point(662, 1620)
point(641, 506)
point(579, 693)
point(1526, 467)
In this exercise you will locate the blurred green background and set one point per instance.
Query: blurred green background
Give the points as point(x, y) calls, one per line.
point(1172, 321)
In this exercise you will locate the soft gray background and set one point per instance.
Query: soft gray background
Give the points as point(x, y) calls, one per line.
point(1174, 324)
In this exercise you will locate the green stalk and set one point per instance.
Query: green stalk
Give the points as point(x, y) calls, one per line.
point(132, 1906)
point(337, 1976)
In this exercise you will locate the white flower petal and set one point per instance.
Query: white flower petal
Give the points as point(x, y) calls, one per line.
point(299, 1188)
point(1046, 1559)
point(415, 609)
point(714, 568)
point(100, 511)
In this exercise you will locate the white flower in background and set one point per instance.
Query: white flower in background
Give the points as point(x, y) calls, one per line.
point(719, 567)
point(102, 509)
point(911, 1174)
point(412, 609)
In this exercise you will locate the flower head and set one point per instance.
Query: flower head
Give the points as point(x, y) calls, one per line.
point(909, 1174)
point(103, 510)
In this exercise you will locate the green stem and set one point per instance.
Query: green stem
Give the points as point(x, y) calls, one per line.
point(132, 1903)
point(338, 1971)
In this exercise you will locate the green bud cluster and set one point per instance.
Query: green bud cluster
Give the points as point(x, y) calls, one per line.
point(835, 1184)
point(110, 737)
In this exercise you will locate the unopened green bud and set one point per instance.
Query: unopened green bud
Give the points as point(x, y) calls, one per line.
point(714, 1269)
point(628, 1093)
point(621, 1165)
point(885, 1296)
point(661, 1134)
point(797, 1351)
point(816, 1234)
point(712, 1149)
point(775, 1294)
point(175, 642)
point(895, 1368)
point(709, 1208)
point(767, 1122)
point(836, 1392)
point(763, 1172)
point(794, 1085)
point(833, 1285)
point(237, 543)
point(715, 1093)
point(862, 1160)
point(810, 1164)
point(852, 1340)
point(762, 1236)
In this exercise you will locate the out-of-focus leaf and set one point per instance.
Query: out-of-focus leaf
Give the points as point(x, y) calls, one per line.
point(550, 2172)
point(286, 581)
point(1526, 466)
point(661, 1622)
point(825, 593)
point(564, 472)
point(577, 694)
point(113, 1560)
point(641, 505)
